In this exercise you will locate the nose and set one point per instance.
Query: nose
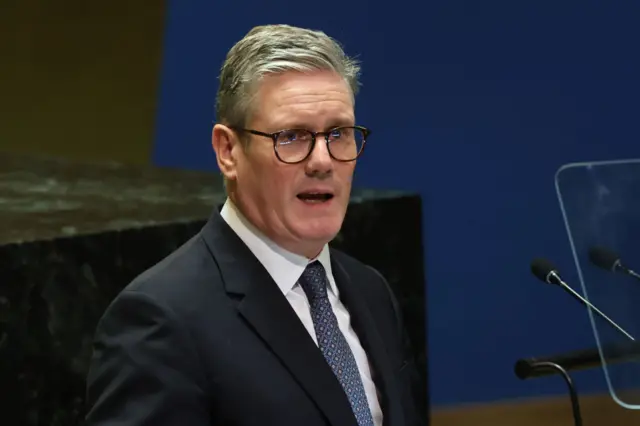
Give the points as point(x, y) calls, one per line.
point(319, 161)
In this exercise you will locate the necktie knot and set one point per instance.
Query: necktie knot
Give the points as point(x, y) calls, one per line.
point(314, 281)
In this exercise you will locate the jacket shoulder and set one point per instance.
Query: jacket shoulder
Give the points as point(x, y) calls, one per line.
point(353, 265)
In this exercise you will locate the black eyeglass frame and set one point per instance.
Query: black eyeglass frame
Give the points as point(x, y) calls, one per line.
point(274, 137)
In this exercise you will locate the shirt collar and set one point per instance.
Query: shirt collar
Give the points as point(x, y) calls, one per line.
point(284, 266)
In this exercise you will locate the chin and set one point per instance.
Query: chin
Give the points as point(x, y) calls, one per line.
point(323, 230)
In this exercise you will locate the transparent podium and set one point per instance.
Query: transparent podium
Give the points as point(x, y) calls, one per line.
point(600, 203)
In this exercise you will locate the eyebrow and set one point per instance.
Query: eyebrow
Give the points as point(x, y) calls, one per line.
point(342, 122)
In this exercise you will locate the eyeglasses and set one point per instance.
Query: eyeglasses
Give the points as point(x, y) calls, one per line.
point(295, 145)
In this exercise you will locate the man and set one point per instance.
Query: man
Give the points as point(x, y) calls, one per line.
point(255, 321)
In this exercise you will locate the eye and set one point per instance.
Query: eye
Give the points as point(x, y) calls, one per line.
point(289, 137)
point(336, 133)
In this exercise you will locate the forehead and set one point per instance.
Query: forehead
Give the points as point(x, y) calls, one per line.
point(296, 98)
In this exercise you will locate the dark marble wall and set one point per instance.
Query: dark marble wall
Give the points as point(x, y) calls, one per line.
point(75, 234)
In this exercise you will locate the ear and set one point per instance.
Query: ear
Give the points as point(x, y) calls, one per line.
point(225, 144)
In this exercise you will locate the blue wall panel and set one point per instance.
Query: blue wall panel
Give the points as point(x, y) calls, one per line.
point(475, 105)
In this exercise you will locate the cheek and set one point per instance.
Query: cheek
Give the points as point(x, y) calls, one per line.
point(277, 183)
point(346, 173)
point(257, 168)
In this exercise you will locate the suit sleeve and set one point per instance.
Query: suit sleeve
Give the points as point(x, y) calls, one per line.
point(413, 386)
point(145, 368)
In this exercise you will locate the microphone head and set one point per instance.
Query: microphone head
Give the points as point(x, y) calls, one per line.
point(542, 269)
point(604, 258)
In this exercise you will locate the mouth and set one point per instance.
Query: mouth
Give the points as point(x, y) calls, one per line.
point(315, 197)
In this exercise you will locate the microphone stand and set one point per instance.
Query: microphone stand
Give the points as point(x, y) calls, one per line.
point(527, 368)
point(628, 271)
point(540, 366)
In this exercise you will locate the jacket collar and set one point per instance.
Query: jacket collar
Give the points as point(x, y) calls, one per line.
point(264, 307)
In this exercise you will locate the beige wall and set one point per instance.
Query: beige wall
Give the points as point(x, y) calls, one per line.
point(597, 410)
point(80, 78)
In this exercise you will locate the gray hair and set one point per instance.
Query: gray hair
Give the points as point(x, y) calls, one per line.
point(273, 49)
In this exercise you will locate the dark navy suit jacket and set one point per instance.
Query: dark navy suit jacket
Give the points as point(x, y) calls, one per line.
point(205, 337)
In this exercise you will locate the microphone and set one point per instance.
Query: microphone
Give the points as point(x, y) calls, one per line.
point(546, 272)
point(609, 260)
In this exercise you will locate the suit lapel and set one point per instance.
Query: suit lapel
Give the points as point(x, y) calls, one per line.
point(269, 314)
point(352, 293)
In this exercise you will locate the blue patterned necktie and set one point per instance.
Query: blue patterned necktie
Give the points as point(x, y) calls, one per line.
point(332, 343)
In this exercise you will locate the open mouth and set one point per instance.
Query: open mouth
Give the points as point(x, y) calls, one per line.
point(315, 197)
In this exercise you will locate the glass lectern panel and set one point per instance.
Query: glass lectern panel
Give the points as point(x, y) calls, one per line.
point(600, 203)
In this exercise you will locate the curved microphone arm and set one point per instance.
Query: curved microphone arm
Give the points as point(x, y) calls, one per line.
point(547, 367)
point(527, 368)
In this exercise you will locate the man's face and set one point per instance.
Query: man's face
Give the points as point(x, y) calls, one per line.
point(272, 194)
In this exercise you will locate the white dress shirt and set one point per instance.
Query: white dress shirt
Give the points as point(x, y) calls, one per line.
point(286, 268)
